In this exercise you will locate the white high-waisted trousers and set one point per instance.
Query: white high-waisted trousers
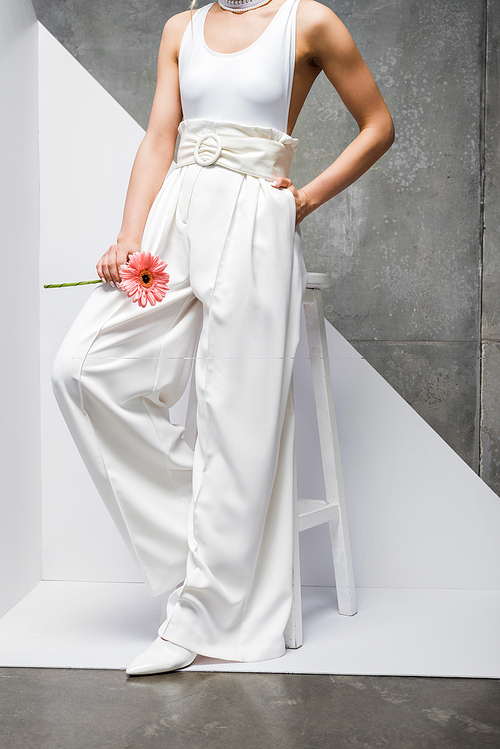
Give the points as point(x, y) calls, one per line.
point(218, 520)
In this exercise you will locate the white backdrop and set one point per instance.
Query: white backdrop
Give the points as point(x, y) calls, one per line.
point(419, 516)
point(20, 499)
point(87, 146)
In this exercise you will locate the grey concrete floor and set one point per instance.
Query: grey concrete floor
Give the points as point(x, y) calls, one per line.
point(70, 709)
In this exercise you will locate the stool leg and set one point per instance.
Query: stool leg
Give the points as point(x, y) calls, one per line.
point(330, 450)
point(293, 631)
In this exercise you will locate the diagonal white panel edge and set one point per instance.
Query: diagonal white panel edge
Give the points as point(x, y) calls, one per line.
point(419, 516)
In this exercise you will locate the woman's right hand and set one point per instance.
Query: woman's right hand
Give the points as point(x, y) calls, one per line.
point(108, 267)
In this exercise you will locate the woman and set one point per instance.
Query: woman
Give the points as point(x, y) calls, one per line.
point(213, 525)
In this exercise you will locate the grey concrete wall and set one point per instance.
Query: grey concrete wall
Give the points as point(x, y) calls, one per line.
point(405, 243)
point(490, 381)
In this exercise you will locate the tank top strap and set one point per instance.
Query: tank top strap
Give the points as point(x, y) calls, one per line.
point(194, 29)
point(282, 36)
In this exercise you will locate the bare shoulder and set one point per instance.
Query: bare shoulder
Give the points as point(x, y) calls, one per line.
point(174, 29)
point(322, 30)
point(315, 17)
point(313, 13)
point(179, 21)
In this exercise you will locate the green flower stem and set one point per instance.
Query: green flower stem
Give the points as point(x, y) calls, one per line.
point(76, 283)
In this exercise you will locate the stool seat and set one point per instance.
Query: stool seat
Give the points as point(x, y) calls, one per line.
point(319, 280)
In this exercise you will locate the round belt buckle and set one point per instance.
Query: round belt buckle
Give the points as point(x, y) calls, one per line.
point(207, 159)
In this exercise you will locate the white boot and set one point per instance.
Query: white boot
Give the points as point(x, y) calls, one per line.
point(161, 656)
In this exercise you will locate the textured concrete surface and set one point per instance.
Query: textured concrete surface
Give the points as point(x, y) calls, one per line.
point(404, 244)
point(437, 379)
point(490, 386)
point(61, 709)
point(491, 282)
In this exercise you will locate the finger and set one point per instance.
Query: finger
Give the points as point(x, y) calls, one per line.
point(281, 182)
point(107, 266)
point(115, 271)
point(106, 270)
point(100, 268)
point(110, 265)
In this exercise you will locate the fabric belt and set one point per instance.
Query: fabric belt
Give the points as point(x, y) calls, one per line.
point(257, 151)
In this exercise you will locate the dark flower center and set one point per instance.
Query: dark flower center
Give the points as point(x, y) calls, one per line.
point(146, 279)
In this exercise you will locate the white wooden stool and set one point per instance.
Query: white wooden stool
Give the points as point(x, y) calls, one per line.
point(312, 512)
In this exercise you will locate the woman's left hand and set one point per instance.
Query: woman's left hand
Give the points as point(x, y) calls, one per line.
point(301, 199)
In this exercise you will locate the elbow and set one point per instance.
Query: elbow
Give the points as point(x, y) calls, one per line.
point(381, 134)
point(387, 134)
point(384, 137)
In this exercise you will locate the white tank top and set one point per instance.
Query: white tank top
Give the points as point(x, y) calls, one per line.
point(251, 87)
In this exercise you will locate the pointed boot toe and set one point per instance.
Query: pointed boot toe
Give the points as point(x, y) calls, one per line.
point(160, 657)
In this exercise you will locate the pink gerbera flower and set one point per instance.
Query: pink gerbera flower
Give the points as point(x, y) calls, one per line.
point(144, 278)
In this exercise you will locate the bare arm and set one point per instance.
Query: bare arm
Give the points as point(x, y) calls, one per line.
point(330, 47)
point(155, 153)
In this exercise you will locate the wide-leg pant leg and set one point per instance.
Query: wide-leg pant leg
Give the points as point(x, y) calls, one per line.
point(236, 599)
point(118, 370)
point(230, 243)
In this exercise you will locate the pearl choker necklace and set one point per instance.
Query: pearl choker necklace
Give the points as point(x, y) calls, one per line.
point(240, 6)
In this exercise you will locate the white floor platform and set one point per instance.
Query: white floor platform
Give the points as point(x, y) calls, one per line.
point(396, 632)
